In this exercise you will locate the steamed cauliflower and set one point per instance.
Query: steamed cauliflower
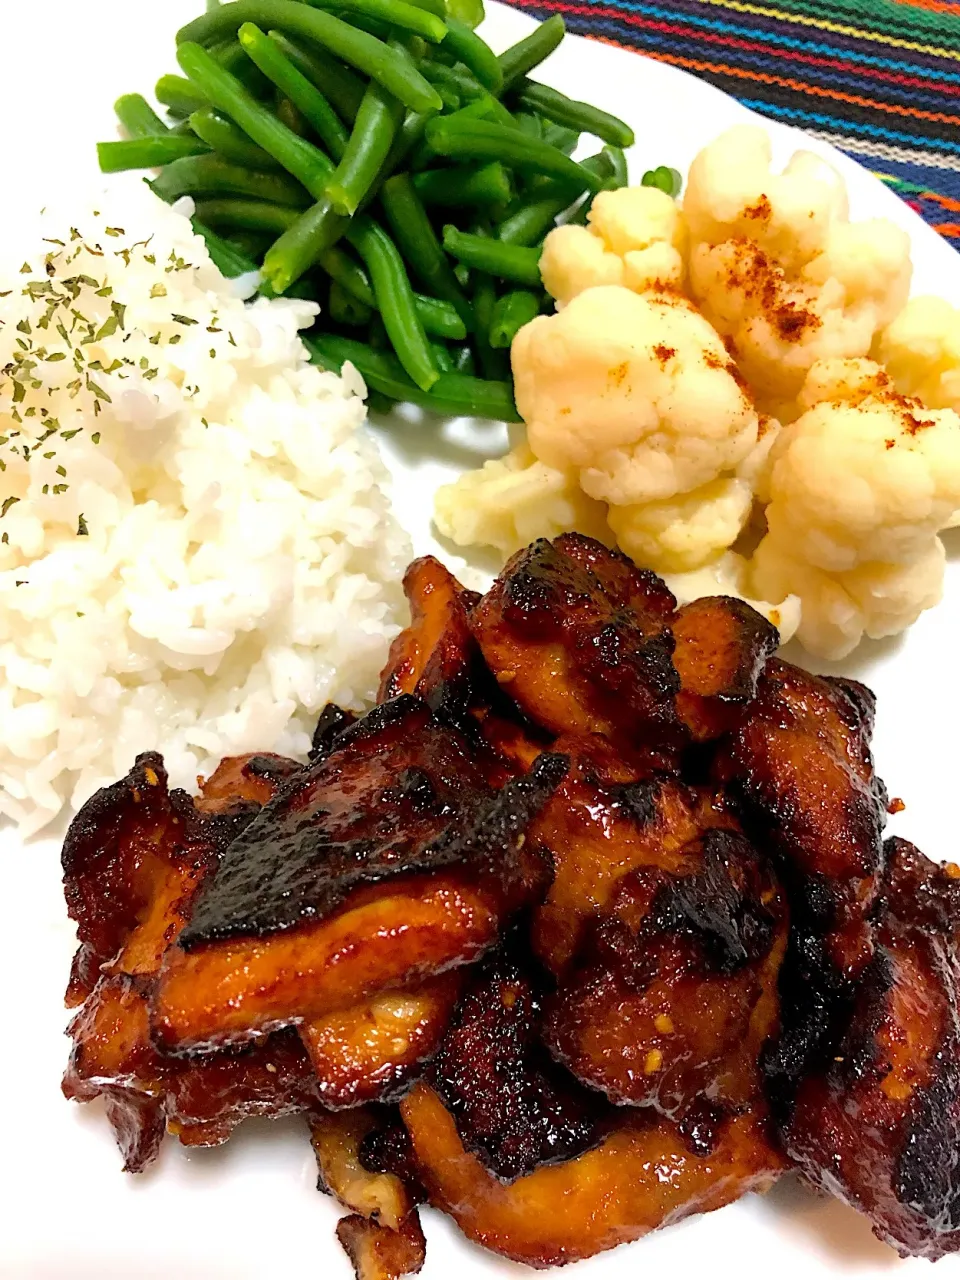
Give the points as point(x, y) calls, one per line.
point(779, 269)
point(921, 352)
point(635, 393)
point(510, 501)
point(682, 533)
point(635, 237)
point(727, 576)
point(860, 485)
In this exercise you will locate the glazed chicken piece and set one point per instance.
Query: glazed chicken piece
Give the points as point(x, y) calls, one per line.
point(641, 1177)
point(382, 1236)
point(612, 813)
point(721, 649)
point(370, 1052)
point(133, 859)
point(201, 1101)
point(433, 657)
point(580, 639)
point(665, 929)
point(877, 1118)
point(388, 861)
point(513, 1108)
point(801, 765)
point(674, 998)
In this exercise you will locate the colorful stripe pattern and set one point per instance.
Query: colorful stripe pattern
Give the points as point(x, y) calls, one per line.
point(880, 79)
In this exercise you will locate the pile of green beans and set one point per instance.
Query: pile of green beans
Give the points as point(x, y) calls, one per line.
point(378, 157)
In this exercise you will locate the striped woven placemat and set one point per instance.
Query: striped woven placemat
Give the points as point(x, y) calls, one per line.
point(880, 79)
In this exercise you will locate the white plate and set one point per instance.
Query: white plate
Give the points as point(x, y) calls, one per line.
point(250, 1211)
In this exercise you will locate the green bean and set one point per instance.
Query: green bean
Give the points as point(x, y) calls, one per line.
point(342, 86)
point(468, 11)
point(418, 241)
point(378, 336)
point(306, 162)
point(580, 116)
point(233, 59)
point(464, 188)
point(304, 95)
point(408, 139)
point(437, 7)
point(528, 53)
point(483, 140)
point(453, 394)
point(345, 271)
point(529, 124)
point(138, 117)
point(180, 96)
point(475, 54)
point(463, 361)
point(360, 50)
point(229, 260)
point(665, 178)
point(252, 215)
point(376, 127)
point(301, 244)
point(395, 300)
point(532, 218)
point(494, 257)
point(253, 244)
point(562, 138)
point(230, 142)
point(201, 175)
point(510, 314)
point(446, 80)
point(492, 363)
point(289, 115)
point(438, 318)
point(618, 162)
point(147, 153)
point(442, 357)
point(377, 402)
point(344, 308)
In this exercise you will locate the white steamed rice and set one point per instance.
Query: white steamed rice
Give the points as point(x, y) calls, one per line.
point(241, 565)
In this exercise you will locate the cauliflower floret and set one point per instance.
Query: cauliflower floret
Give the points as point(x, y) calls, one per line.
point(635, 237)
point(509, 502)
point(921, 352)
point(633, 391)
point(682, 533)
point(727, 576)
point(574, 259)
point(779, 269)
point(837, 610)
point(865, 474)
point(731, 194)
point(860, 485)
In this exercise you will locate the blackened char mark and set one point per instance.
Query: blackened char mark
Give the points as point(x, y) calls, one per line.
point(514, 1108)
point(332, 722)
point(402, 793)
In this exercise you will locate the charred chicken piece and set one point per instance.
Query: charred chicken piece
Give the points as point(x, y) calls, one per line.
point(382, 1253)
point(370, 1052)
point(801, 765)
point(513, 1108)
point(722, 646)
point(201, 1101)
point(641, 1177)
point(133, 859)
point(338, 1140)
point(676, 1010)
point(433, 657)
point(392, 859)
point(581, 639)
point(877, 1119)
point(612, 814)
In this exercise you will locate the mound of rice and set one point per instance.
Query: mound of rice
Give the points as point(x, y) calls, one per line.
point(195, 551)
